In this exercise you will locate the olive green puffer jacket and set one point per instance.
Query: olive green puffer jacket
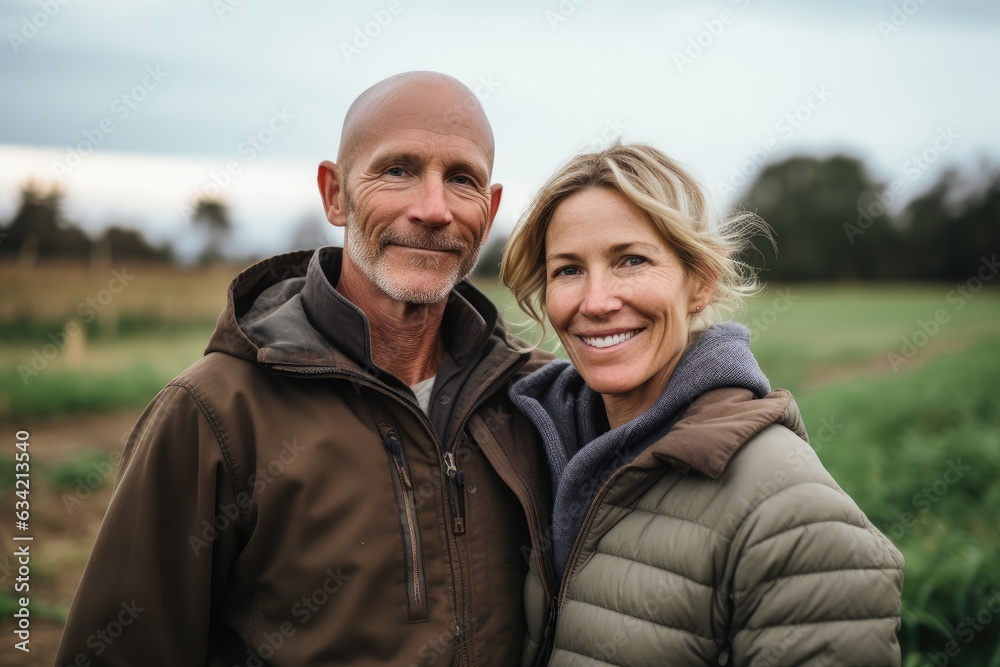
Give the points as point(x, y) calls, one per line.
point(725, 543)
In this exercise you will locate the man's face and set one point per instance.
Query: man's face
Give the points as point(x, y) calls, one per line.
point(417, 199)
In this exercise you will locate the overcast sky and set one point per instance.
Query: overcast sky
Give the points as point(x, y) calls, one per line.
point(133, 107)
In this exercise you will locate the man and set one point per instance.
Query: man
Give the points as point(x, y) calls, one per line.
point(341, 479)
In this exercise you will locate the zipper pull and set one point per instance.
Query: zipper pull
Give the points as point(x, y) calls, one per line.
point(550, 624)
point(458, 497)
point(393, 445)
point(453, 471)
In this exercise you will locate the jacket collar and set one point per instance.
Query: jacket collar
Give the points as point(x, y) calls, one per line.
point(716, 425)
point(286, 311)
point(465, 328)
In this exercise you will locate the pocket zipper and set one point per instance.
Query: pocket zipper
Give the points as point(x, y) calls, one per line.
point(406, 509)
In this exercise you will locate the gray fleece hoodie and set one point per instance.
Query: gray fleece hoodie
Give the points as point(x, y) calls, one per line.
point(583, 453)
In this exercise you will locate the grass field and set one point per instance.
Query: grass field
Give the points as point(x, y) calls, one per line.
point(898, 386)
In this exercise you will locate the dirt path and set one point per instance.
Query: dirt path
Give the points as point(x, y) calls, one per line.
point(64, 522)
point(823, 374)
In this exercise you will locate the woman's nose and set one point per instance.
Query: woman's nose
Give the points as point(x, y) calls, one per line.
point(600, 298)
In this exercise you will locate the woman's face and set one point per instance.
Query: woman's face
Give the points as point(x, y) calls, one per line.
point(618, 297)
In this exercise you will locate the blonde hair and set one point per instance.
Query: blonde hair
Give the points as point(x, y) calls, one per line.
point(676, 207)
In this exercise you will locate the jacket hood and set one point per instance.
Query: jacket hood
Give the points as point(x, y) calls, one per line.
point(716, 400)
point(583, 453)
point(716, 425)
point(283, 277)
point(284, 310)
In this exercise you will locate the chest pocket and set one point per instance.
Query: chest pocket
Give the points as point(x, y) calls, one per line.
point(406, 512)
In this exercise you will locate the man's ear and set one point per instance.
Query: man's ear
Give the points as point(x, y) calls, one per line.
point(330, 180)
point(496, 190)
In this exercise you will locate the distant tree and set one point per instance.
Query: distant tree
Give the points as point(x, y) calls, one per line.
point(827, 219)
point(313, 231)
point(950, 228)
point(120, 244)
point(38, 230)
point(979, 235)
point(211, 216)
point(488, 265)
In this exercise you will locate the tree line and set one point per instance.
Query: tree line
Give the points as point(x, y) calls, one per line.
point(831, 222)
point(39, 231)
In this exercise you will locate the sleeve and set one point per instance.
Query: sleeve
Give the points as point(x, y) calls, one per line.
point(168, 539)
point(814, 583)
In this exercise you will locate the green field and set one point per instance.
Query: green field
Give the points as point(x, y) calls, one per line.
point(898, 386)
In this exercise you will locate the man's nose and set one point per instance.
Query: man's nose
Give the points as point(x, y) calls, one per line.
point(431, 206)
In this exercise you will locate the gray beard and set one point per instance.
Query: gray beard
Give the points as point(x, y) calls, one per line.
point(372, 264)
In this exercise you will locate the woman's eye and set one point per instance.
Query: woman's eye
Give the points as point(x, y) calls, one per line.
point(634, 261)
point(567, 271)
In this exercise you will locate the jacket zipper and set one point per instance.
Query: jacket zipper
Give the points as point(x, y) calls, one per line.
point(417, 608)
point(458, 497)
point(457, 505)
point(534, 528)
point(578, 542)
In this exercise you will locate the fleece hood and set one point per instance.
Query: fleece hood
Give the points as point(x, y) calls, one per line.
point(568, 415)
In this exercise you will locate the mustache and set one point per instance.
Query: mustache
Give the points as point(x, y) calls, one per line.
point(423, 240)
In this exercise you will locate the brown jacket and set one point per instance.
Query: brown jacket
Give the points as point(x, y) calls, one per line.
point(283, 502)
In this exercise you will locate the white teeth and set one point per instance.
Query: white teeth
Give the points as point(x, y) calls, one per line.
point(607, 341)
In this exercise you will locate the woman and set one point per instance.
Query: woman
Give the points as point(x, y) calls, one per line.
point(692, 523)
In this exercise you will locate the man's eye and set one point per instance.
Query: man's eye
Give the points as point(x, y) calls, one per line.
point(462, 179)
point(394, 171)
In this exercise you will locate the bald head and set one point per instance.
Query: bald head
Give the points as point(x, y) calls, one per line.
point(407, 97)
